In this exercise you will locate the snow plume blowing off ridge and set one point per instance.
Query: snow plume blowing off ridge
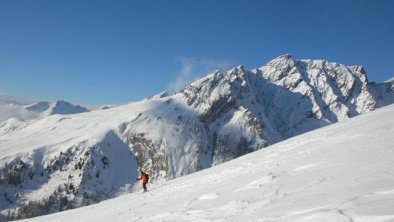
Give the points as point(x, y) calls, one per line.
point(193, 69)
point(63, 162)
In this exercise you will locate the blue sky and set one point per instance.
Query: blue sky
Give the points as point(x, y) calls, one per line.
point(113, 52)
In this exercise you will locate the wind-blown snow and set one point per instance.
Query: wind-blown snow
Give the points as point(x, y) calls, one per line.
point(62, 161)
point(12, 107)
point(343, 172)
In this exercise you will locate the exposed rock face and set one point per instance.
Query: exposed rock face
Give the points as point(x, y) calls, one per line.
point(284, 98)
point(74, 160)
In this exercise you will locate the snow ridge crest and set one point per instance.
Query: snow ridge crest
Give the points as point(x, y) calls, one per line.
point(213, 120)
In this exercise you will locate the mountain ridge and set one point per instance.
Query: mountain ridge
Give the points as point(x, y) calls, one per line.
point(336, 173)
point(213, 120)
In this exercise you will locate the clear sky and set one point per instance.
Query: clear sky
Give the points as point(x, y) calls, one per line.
point(114, 52)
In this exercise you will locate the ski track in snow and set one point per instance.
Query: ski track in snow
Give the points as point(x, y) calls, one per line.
point(343, 172)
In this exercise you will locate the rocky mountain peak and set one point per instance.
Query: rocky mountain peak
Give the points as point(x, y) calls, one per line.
point(213, 120)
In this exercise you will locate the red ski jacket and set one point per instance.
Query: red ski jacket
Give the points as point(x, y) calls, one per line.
point(144, 178)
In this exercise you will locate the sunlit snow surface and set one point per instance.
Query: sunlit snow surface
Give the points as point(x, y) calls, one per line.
point(343, 172)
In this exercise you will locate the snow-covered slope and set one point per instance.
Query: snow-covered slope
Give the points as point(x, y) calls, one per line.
point(66, 161)
point(343, 172)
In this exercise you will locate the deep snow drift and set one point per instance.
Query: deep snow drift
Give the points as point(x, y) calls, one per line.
point(343, 172)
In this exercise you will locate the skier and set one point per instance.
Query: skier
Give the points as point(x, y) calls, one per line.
point(144, 177)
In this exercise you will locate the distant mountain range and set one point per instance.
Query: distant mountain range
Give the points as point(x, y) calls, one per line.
point(75, 160)
point(21, 109)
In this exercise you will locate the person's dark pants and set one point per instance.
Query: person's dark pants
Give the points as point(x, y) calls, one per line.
point(144, 186)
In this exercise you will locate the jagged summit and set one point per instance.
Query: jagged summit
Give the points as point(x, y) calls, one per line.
point(328, 84)
point(213, 120)
point(325, 92)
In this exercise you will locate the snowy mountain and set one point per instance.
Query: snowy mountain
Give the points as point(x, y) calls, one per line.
point(22, 109)
point(15, 113)
point(67, 161)
point(246, 110)
point(342, 172)
point(57, 107)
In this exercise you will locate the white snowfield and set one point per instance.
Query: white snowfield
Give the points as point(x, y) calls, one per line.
point(342, 172)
